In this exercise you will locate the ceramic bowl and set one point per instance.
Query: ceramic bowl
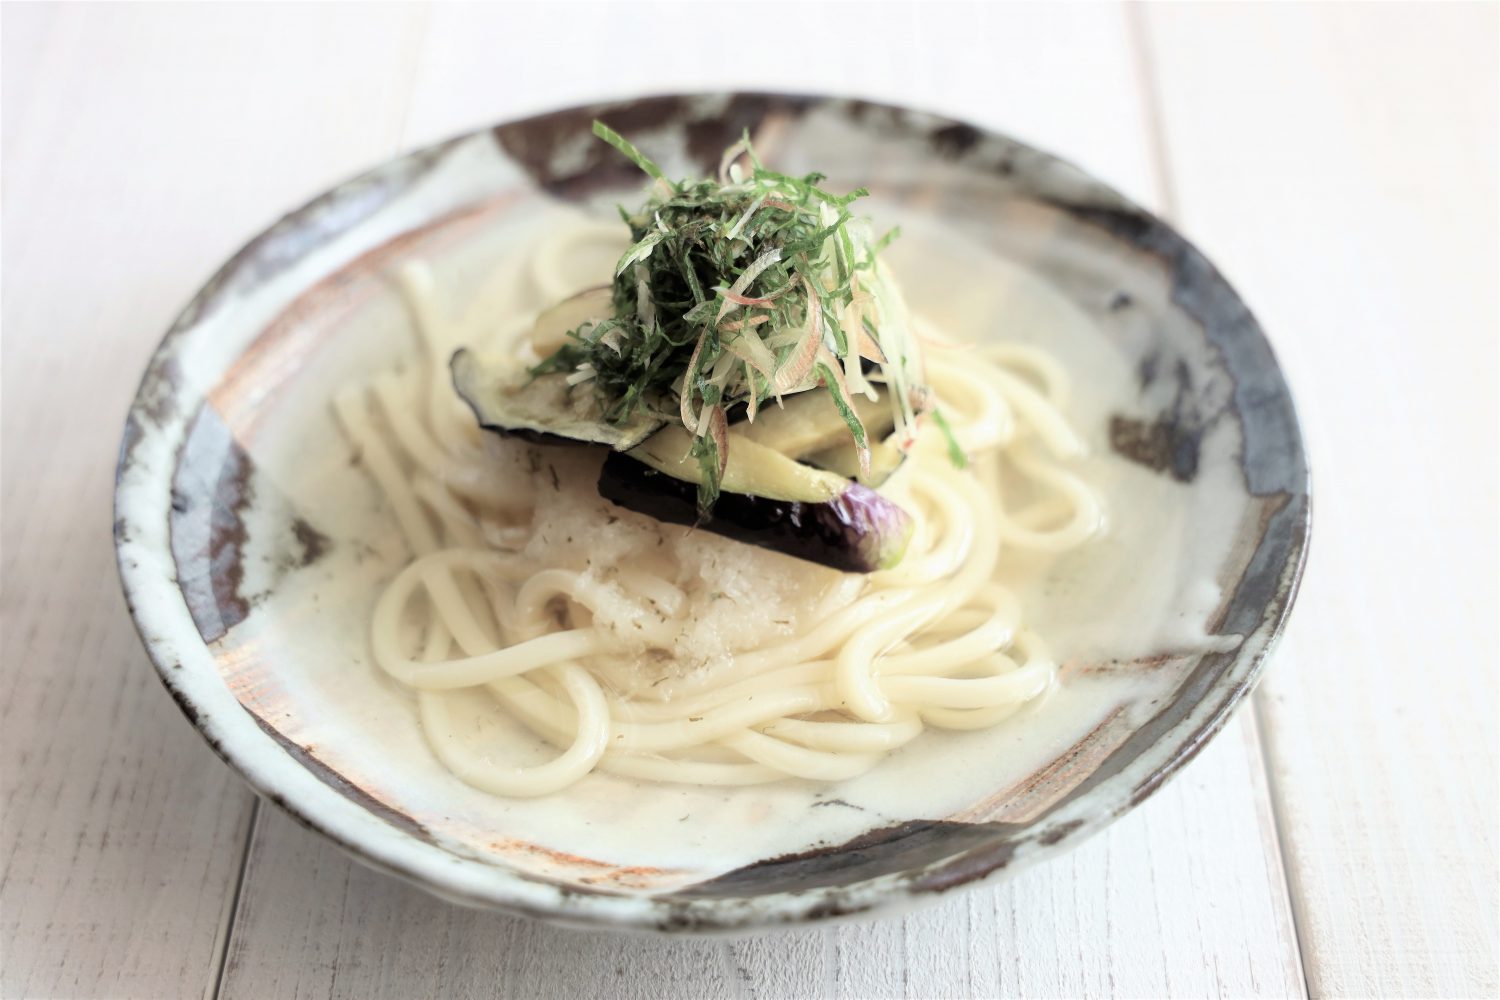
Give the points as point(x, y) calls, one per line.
point(252, 546)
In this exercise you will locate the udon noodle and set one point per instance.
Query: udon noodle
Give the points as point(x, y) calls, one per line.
point(604, 655)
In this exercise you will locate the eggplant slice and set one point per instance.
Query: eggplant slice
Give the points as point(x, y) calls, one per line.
point(809, 428)
point(843, 459)
point(809, 421)
point(544, 409)
point(749, 468)
point(768, 497)
point(816, 515)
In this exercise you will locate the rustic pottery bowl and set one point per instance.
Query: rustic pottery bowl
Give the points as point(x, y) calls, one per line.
point(251, 546)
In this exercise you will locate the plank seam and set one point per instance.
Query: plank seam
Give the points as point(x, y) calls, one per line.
point(1151, 108)
point(1154, 115)
point(222, 958)
point(1278, 822)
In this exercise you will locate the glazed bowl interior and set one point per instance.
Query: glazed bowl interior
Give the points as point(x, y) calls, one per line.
point(252, 546)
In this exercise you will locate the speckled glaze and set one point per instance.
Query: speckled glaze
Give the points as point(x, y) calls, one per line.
point(250, 567)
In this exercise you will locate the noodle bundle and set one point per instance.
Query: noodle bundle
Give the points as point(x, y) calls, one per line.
point(595, 659)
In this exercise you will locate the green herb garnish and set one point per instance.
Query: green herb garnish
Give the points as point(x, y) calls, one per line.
point(739, 290)
point(955, 450)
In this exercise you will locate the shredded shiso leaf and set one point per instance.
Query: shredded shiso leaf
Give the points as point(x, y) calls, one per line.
point(739, 290)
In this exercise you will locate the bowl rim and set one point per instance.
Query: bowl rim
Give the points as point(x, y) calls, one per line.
point(153, 600)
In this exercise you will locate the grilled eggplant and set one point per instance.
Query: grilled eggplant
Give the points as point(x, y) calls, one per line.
point(507, 399)
point(767, 499)
point(856, 530)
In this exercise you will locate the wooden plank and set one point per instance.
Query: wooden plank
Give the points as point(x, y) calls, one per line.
point(1340, 163)
point(25, 40)
point(142, 145)
point(1162, 904)
point(1186, 897)
point(1015, 69)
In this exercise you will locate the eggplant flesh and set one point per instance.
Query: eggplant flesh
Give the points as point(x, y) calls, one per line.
point(809, 422)
point(809, 428)
point(856, 531)
point(749, 468)
point(769, 497)
point(843, 459)
point(553, 326)
point(507, 399)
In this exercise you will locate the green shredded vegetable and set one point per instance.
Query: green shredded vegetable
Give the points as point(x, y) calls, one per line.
point(736, 290)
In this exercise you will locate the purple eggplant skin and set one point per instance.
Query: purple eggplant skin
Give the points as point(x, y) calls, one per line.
point(858, 531)
point(537, 437)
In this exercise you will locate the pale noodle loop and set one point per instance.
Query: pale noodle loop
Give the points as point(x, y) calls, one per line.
point(932, 642)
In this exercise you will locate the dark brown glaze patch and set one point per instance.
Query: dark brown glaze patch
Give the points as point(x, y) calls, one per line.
point(887, 851)
point(1173, 440)
point(213, 489)
point(1060, 832)
point(314, 544)
point(953, 141)
point(988, 856)
point(1273, 460)
point(333, 779)
point(210, 492)
point(709, 124)
point(1160, 445)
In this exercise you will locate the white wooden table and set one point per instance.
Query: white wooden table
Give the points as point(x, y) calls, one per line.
point(1339, 162)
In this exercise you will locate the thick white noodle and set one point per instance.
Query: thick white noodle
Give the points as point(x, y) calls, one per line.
point(935, 641)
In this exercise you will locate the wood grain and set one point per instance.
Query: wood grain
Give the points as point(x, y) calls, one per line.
point(1063, 77)
point(1340, 163)
point(141, 146)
